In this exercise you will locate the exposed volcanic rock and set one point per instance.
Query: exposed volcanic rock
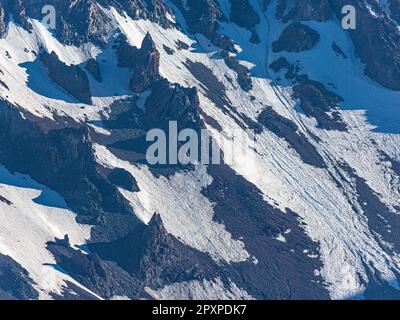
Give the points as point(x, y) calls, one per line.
point(77, 21)
point(394, 6)
point(4, 85)
point(316, 101)
point(380, 218)
point(5, 200)
point(169, 102)
point(3, 20)
point(154, 10)
point(243, 73)
point(71, 78)
point(288, 130)
point(243, 14)
point(166, 103)
point(240, 206)
point(123, 179)
point(203, 16)
point(303, 10)
point(164, 259)
point(339, 52)
point(14, 8)
point(63, 160)
point(82, 21)
point(145, 62)
point(282, 63)
point(377, 43)
point(216, 92)
point(147, 257)
point(15, 282)
point(296, 37)
point(93, 67)
point(104, 278)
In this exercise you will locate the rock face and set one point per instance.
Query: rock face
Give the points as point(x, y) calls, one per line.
point(106, 279)
point(153, 10)
point(288, 130)
point(282, 63)
point(123, 179)
point(243, 73)
point(377, 43)
point(15, 282)
point(3, 21)
point(318, 102)
point(172, 102)
point(71, 78)
point(83, 21)
point(93, 67)
point(303, 10)
point(146, 67)
point(203, 16)
point(145, 62)
point(376, 38)
point(296, 37)
point(147, 257)
point(243, 14)
point(63, 159)
point(17, 10)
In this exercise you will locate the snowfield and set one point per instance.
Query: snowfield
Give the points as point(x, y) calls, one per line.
point(333, 215)
point(35, 216)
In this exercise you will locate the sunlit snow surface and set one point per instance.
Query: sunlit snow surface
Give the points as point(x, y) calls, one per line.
point(35, 216)
point(346, 242)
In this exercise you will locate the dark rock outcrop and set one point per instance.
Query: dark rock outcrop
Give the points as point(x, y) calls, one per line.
point(243, 73)
point(296, 37)
point(104, 278)
point(167, 102)
point(204, 16)
point(288, 130)
point(62, 158)
point(147, 257)
point(71, 78)
point(145, 62)
point(318, 102)
point(123, 179)
point(172, 102)
point(93, 67)
point(244, 15)
point(5, 200)
point(282, 63)
point(3, 21)
point(14, 9)
point(278, 274)
point(377, 43)
point(15, 282)
point(304, 10)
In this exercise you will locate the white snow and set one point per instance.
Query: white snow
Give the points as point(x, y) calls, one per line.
point(370, 111)
point(37, 215)
point(186, 213)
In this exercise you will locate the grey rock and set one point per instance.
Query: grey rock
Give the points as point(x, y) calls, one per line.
point(15, 282)
point(296, 37)
point(71, 78)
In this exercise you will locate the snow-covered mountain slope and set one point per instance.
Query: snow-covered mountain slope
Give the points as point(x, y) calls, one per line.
point(311, 211)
